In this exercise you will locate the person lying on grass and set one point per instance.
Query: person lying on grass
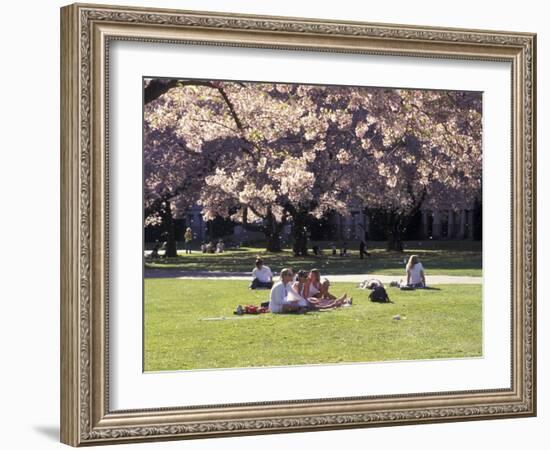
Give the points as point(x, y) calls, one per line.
point(300, 292)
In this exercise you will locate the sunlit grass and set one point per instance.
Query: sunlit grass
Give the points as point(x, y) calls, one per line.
point(440, 323)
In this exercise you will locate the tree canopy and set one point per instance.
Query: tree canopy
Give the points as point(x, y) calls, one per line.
point(278, 153)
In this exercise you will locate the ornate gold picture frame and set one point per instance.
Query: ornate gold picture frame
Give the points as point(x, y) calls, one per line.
point(87, 31)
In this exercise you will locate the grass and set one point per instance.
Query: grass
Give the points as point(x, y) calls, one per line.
point(460, 258)
point(442, 323)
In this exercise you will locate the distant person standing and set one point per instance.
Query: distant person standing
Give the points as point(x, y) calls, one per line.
point(363, 243)
point(344, 249)
point(262, 277)
point(188, 238)
point(363, 247)
point(156, 248)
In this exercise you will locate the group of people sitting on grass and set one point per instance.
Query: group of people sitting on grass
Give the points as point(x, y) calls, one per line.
point(210, 247)
point(303, 292)
point(300, 292)
point(262, 277)
point(307, 291)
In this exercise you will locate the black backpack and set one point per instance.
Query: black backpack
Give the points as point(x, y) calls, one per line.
point(379, 295)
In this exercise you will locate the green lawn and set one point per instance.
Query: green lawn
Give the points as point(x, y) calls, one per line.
point(461, 258)
point(443, 323)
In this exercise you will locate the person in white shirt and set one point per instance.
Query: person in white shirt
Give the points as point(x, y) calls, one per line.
point(279, 301)
point(415, 273)
point(262, 277)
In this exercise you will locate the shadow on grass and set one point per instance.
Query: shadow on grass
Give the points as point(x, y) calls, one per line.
point(451, 259)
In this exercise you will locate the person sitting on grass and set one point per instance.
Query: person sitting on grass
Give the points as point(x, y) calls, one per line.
point(279, 301)
point(300, 292)
point(262, 277)
point(296, 290)
point(415, 274)
point(318, 287)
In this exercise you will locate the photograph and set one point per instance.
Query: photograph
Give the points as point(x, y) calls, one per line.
point(282, 223)
point(290, 224)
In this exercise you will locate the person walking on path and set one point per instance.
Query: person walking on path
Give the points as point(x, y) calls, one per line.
point(363, 249)
point(363, 246)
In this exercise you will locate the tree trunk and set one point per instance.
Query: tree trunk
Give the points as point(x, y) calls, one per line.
point(477, 212)
point(396, 222)
point(299, 233)
point(156, 88)
point(272, 234)
point(273, 243)
point(170, 231)
point(271, 229)
point(394, 243)
point(394, 232)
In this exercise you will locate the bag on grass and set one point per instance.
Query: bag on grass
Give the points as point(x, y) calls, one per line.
point(250, 309)
point(379, 295)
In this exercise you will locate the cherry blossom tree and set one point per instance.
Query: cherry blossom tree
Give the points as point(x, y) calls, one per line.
point(277, 134)
point(266, 154)
point(174, 173)
point(425, 151)
point(171, 180)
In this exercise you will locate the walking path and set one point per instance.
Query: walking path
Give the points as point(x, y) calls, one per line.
point(355, 278)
